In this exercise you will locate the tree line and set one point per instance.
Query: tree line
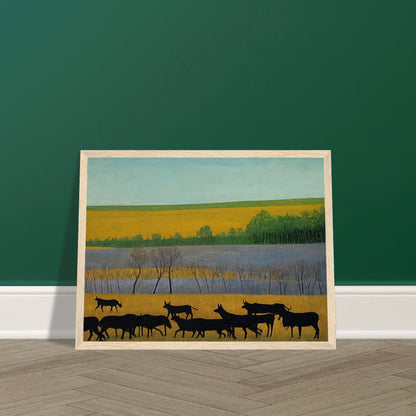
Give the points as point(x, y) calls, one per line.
point(264, 228)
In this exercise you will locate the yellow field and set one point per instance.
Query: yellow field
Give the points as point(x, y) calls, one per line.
point(153, 304)
point(117, 224)
point(150, 273)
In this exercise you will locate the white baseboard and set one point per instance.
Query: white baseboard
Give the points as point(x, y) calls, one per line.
point(48, 312)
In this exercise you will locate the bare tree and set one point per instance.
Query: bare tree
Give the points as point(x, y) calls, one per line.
point(158, 260)
point(281, 277)
point(299, 271)
point(137, 260)
point(91, 276)
point(163, 259)
point(203, 272)
point(241, 271)
point(173, 254)
point(108, 276)
point(317, 271)
point(267, 273)
point(221, 271)
point(194, 270)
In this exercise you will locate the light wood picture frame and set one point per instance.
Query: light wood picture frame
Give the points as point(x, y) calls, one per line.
point(205, 250)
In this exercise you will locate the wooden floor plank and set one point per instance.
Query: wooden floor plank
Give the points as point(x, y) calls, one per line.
point(369, 406)
point(319, 370)
point(184, 365)
point(222, 398)
point(399, 411)
point(39, 376)
point(43, 403)
point(332, 382)
point(49, 362)
point(109, 407)
point(154, 400)
point(13, 396)
point(181, 378)
point(362, 377)
point(61, 411)
point(323, 401)
point(293, 359)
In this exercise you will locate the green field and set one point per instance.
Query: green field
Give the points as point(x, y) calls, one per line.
point(236, 204)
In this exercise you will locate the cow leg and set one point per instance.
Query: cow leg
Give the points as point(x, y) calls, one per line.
point(291, 332)
point(97, 307)
point(165, 329)
point(100, 336)
point(316, 331)
point(245, 332)
point(300, 331)
point(177, 332)
point(102, 310)
point(90, 335)
point(157, 329)
point(122, 334)
point(115, 329)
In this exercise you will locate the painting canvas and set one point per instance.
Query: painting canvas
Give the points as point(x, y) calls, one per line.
point(205, 249)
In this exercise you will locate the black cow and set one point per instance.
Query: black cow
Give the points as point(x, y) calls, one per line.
point(151, 322)
point(127, 323)
point(91, 324)
point(291, 319)
point(255, 308)
point(238, 321)
point(268, 319)
point(201, 325)
point(174, 310)
point(107, 302)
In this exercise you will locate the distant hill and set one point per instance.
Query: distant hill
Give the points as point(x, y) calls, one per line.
point(236, 204)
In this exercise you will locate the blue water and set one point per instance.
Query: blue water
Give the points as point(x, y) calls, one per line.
point(207, 286)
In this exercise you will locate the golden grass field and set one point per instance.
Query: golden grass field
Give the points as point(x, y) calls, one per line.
point(150, 273)
point(153, 304)
point(116, 224)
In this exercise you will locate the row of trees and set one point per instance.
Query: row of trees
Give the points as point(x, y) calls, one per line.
point(309, 278)
point(264, 228)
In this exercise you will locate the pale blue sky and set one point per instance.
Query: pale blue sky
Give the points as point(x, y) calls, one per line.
point(142, 181)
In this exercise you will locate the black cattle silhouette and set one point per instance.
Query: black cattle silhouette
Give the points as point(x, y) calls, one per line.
point(291, 319)
point(151, 322)
point(255, 308)
point(127, 323)
point(91, 324)
point(200, 326)
point(268, 319)
point(238, 321)
point(175, 310)
point(113, 303)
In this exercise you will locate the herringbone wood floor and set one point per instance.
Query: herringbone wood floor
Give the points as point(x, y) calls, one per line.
point(361, 377)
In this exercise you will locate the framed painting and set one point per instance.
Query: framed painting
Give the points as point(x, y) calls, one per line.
point(205, 250)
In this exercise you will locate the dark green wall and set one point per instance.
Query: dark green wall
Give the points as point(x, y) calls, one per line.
point(336, 75)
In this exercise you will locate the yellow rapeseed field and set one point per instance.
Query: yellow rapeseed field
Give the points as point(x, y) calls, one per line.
point(153, 304)
point(117, 224)
point(150, 273)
